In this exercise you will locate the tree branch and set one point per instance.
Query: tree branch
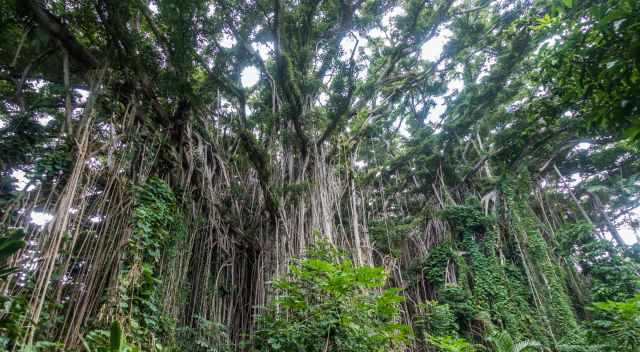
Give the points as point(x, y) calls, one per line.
point(55, 28)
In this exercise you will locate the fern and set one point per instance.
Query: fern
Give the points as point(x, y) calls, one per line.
point(503, 342)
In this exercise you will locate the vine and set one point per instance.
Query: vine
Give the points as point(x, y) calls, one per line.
point(157, 227)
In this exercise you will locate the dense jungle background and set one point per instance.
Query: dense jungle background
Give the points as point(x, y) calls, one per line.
point(320, 175)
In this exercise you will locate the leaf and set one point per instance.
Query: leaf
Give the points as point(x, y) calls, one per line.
point(85, 344)
point(5, 272)
point(115, 337)
point(9, 244)
point(526, 344)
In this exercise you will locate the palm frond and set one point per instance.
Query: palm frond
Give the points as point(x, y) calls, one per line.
point(502, 341)
point(525, 345)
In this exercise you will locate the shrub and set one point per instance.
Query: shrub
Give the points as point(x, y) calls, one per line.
point(617, 324)
point(326, 303)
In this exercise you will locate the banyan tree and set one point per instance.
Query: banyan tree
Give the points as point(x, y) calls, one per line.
point(164, 161)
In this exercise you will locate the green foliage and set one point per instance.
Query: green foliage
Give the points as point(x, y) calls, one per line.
point(616, 324)
point(612, 273)
point(155, 217)
point(21, 138)
point(12, 309)
point(157, 228)
point(387, 234)
point(436, 319)
point(436, 323)
point(493, 295)
point(595, 66)
point(327, 303)
point(107, 341)
point(501, 341)
point(466, 219)
point(544, 276)
point(460, 301)
point(12, 313)
point(11, 241)
point(205, 336)
point(56, 161)
point(433, 265)
point(42, 346)
point(450, 344)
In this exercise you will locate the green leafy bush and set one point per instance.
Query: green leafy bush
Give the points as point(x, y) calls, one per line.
point(326, 303)
point(501, 341)
point(107, 341)
point(436, 319)
point(450, 344)
point(617, 324)
point(206, 336)
point(11, 308)
point(10, 242)
point(157, 227)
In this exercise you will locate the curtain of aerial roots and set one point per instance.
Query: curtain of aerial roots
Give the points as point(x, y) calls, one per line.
point(518, 225)
point(239, 250)
point(74, 258)
point(418, 243)
point(231, 250)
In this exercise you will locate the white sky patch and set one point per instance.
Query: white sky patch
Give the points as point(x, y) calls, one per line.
point(263, 50)
point(40, 218)
point(402, 129)
point(516, 104)
point(326, 79)
point(21, 179)
point(226, 106)
point(541, 91)
point(574, 179)
point(227, 41)
point(628, 234)
point(211, 10)
point(38, 84)
point(435, 113)
point(323, 98)
point(507, 8)
point(95, 219)
point(548, 43)
point(349, 42)
point(94, 163)
point(583, 146)
point(250, 76)
point(153, 8)
point(432, 49)
point(376, 33)
point(77, 113)
point(618, 23)
point(44, 119)
point(486, 68)
point(84, 95)
point(393, 13)
point(455, 85)
point(360, 164)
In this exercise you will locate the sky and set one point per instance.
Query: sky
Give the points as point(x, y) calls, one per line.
point(627, 233)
